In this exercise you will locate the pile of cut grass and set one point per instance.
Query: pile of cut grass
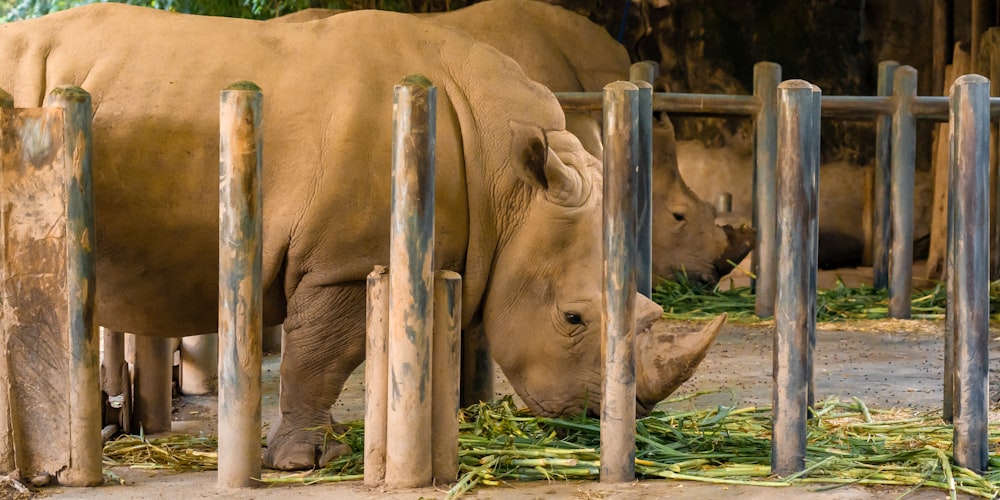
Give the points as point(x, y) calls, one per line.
point(848, 444)
point(687, 300)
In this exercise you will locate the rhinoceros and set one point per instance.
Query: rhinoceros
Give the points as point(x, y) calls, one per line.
point(567, 52)
point(518, 197)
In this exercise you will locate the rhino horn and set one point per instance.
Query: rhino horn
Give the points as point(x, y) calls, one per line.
point(665, 360)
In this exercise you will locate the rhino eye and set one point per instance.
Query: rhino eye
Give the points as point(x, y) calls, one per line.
point(574, 318)
point(679, 217)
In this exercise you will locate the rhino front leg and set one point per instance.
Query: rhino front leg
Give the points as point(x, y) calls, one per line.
point(324, 343)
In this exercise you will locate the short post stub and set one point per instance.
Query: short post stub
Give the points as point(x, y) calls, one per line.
point(240, 293)
point(411, 264)
point(376, 374)
point(621, 122)
point(764, 259)
point(970, 159)
point(200, 364)
point(881, 226)
point(797, 133)
point(84, 369)
point(904, 144)
point(445, 377)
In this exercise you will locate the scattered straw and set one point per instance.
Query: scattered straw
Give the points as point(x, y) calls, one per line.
point(849, 443)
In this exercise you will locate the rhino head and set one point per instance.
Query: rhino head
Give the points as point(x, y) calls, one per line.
point(686, 238)
point(542, 312)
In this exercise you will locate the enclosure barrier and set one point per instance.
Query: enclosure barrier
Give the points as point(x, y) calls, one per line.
point(968, 255)
point(240, 293)
point(795, 314)
point(621, 155)
point(643, 74)
point(50, 415)
point(840, 107)
point(413, 358)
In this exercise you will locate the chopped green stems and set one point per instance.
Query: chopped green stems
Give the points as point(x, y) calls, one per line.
point(848, 444)
point(684, 299)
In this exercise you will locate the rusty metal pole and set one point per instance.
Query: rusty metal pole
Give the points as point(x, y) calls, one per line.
point(882, 229)
point(904, 144)
point(445, 375)
point(970, 275)
point(764, 260)
point(796, 136)
point(621, 122)
point(644, 74)
point(240, 292)
point(376, 374)
point(84, 366)
point(411, 264)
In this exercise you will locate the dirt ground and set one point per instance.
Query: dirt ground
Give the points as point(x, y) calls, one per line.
point(885, 364)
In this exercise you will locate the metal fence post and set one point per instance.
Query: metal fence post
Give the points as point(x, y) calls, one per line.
point(764, 260)
point(797, 134)
point(904, 142)
point(411, 264)
point(240, 292)
point(970, 153)
point(618, 347)
point(882, 237)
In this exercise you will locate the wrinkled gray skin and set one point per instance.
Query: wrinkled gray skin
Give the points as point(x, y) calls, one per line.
point(567, 52)
point(518, 198)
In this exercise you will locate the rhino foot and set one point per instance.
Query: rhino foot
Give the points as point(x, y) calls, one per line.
point(302, 450)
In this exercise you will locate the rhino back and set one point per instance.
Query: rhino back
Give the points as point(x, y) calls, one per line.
point(155, 79)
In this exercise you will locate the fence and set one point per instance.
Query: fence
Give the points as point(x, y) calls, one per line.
point(799, 106)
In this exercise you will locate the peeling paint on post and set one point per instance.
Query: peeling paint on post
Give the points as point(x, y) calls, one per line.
point(7, 461)
point(644, 74)
point(411, 264)
point(240, 294)
point(376, 374)
point(764, 259)
point(903, 171)
point(84, 367)
point(796, 203)
point(969, 175)
point(618, 346)
point(882, 230)
point(445, 375)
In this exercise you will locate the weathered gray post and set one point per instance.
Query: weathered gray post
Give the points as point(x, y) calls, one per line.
point(812, 236)
point(797, 134)
point(903, 171)
point(446, 350)
point(411, 254)
point(84, 366)
point(200, 364)
point(618, 348)
point(881, 239)
point(970, 159)
point(376, 374)
point(764, 260)
point(644, 74)
point(240, 294)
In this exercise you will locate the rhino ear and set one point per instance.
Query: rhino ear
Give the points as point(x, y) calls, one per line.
point(537, 165)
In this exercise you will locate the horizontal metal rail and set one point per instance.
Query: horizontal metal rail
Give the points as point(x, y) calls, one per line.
point(844, 107)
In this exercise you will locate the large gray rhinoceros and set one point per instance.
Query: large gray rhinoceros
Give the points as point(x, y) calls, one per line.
point(567, 52)
point(518, 206)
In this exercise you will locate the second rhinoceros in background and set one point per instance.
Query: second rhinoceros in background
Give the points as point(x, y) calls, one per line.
point(567, 52)
point(518, 206)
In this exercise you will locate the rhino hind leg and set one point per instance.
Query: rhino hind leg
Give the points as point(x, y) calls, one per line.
point(324, 343)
